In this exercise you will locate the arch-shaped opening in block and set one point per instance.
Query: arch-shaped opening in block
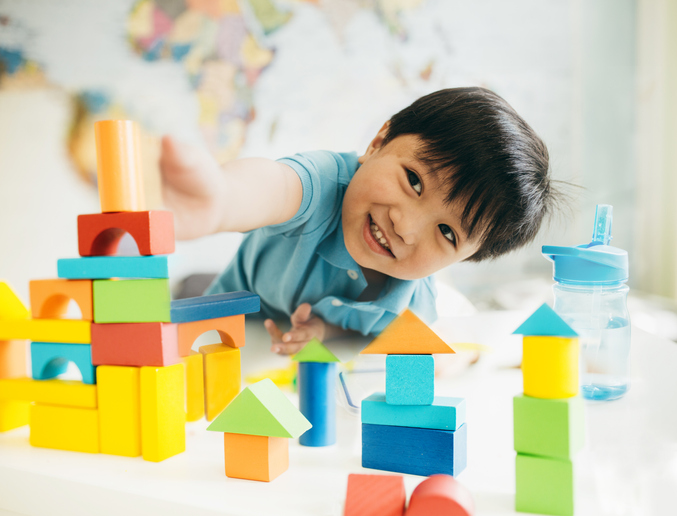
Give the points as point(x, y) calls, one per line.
point(212, 337)
point(61, 367)
point(60, 306)
point(114, 242)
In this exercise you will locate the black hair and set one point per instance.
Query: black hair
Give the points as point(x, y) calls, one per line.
point(485, 154)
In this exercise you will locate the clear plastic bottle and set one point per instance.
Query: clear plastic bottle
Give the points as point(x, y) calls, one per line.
point(591, 296)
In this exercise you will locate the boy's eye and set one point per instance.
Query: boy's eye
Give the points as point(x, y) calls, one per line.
point(415, 182)
point(448, 233)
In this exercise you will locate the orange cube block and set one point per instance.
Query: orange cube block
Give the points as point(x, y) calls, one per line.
point(230, 329)
point(255, 457)
point(50, 297)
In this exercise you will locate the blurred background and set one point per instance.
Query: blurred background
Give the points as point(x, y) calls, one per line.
point(597, 79)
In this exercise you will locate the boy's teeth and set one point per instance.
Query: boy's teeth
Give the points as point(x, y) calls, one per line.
point(378, 235)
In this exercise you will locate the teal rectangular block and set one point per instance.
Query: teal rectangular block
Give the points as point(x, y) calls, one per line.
point(548, 427)
point(410, 379)
point(445, 413)
point(106, 267)
point(544, 485)
point(131, 301)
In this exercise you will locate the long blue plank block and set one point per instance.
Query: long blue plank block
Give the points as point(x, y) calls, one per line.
point(317, 402)
point(416, 451)
point(445, 413)
point(106, 267)
point(214, 306)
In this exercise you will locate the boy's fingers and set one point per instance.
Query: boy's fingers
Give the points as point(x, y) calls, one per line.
point(289, 349)
point(301, 314)
point(297, 335)
point(272, 329)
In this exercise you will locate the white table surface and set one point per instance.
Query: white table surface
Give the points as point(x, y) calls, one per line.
point(629, 465)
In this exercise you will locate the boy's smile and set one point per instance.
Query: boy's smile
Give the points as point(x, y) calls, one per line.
point(395, 220)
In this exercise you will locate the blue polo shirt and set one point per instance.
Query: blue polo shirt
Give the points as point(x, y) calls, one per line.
point(305, 260)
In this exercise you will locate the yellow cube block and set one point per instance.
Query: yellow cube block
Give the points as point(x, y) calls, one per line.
point(163, 413)
point(13, 414)
point(195, 387)
point(64, 428)
point(119, 389)
point(222, 377)
point(47, 330)
point(550, 367)
point(65, 393)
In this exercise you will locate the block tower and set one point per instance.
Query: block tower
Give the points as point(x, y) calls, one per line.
point(548, 417)
point(408, 429)
point(131, 344)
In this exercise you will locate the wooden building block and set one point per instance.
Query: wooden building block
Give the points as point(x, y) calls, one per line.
point(375, 495)
point(255, 457)
point(13, 414)
point(416, 451)
point(135, 344)
point(445, 413)
point(163, 414)
point(118, 166)
point(317, 402)
point(47, 330)
point(107, 267)
point(119, 397)
point(64, 393)
point(13, 358)
point(545, 322)
point(407, 335)
point(550, 428)
point(49, 360)
point(127, 301)
point(195, 386)
point(100, 233)
point(441, 495)
point(214, 306)
point(64, 428)
point(315, 351)
point(50, 298)
point(550, 367)
point(230, 330)
point(11, 307)
point(222, 377)
point(544, 485)
point(410, 379)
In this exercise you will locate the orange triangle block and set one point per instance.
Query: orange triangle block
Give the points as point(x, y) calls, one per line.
point(407, 335)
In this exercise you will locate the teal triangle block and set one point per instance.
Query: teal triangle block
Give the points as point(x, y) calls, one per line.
point(261, 409)
point(545, 322)
point(315, 351)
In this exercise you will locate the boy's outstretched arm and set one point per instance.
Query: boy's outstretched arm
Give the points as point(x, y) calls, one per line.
point(242, 195)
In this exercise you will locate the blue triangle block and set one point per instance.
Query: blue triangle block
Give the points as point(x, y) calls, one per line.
point(545, 322)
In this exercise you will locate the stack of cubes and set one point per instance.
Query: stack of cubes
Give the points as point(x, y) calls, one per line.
point(408, 429)
point(549, 423)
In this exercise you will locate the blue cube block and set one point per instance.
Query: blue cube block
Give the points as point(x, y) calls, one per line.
point(445, 413)
point(416, 451)
point(410, 379)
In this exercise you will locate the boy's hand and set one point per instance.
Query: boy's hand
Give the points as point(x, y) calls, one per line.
point(304, 326)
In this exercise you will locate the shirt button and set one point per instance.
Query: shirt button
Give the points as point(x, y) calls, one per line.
point(353, 274)
point(337, 302)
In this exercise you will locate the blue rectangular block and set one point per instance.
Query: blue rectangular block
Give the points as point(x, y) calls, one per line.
point(410, 379)
point(214, 306)
point(416, 451)
point(445, 413)
point(50, 359)
point(106, 267)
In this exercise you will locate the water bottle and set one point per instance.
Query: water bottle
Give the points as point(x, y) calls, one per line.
point(591, 296)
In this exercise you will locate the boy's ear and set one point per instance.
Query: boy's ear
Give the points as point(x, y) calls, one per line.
point(376, 143)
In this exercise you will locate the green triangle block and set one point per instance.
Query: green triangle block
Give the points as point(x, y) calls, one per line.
point(261, 409)
point(544, 322)
point(315, 351)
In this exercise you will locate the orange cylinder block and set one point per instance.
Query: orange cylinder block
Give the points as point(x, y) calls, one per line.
point(118, 160)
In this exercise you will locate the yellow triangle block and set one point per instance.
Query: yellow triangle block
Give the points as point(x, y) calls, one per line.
point(407, 335)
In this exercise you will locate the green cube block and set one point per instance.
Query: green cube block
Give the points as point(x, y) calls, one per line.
point(548, 427)
point(131, 301)
point(544, 485)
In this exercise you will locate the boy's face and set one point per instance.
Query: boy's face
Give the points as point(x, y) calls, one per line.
point(395, 220)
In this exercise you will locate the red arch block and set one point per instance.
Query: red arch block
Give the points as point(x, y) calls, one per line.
point(99, 234)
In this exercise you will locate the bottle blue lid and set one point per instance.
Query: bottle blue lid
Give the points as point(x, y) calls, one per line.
point(596, 263)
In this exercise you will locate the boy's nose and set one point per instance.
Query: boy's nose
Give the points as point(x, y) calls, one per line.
point(406, 225)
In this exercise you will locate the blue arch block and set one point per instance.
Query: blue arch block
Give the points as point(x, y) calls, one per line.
point(50, 359)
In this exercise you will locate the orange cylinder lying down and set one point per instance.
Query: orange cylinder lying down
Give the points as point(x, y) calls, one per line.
point(118, 161)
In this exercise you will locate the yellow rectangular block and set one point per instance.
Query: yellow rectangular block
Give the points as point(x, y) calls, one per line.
point(13, 414)
point(119, 394)
point(64, 428)
point(195, 387)
point(64, 393)
point(47, 330)
point(11, 307)
point(163, 414)
point(222, 377)
point(550, 367)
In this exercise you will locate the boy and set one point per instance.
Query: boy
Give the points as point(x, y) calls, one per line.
point(340, 243)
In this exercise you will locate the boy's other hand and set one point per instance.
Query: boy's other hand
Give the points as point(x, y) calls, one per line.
point(304, 326)
point(191, 186)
